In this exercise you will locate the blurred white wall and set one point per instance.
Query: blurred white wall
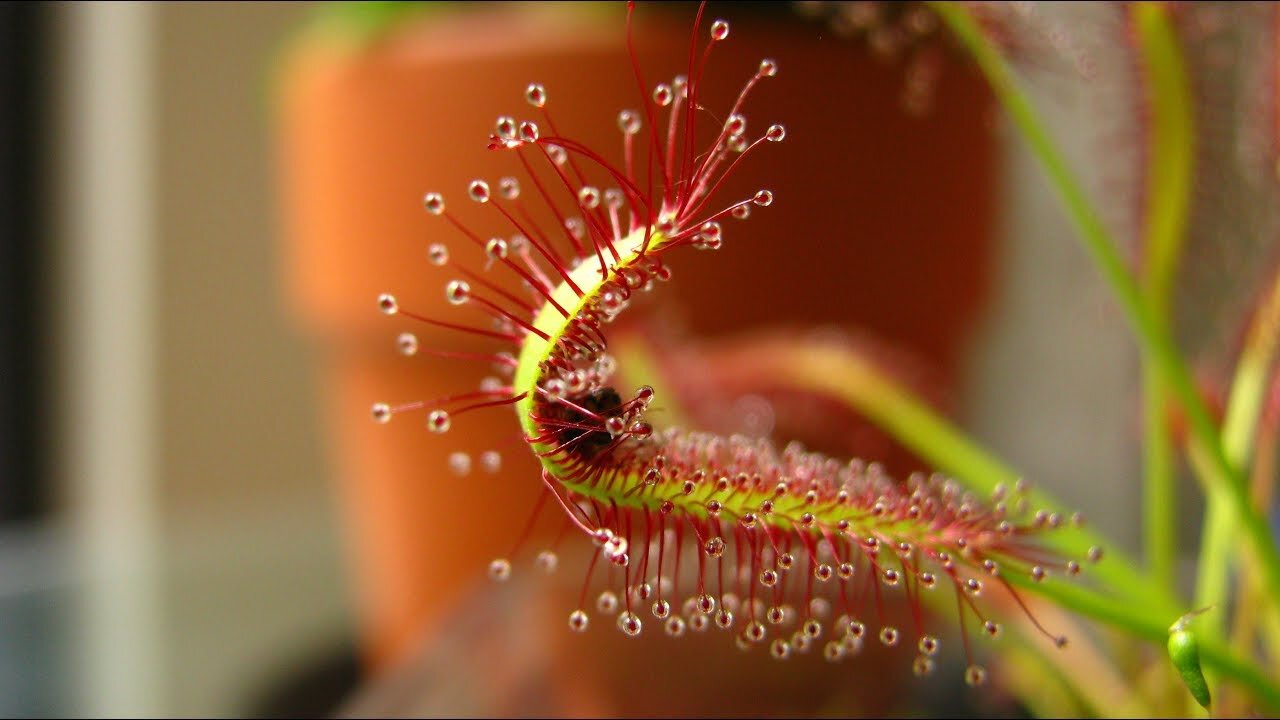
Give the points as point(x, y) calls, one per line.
point(190, 463)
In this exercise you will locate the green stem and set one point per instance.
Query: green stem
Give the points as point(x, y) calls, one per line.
point(1159, 491)
point(1156, 345)
point(1170, 153)
point(1239, 429)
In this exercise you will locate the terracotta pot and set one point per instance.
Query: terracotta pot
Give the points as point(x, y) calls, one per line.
point(882, 221)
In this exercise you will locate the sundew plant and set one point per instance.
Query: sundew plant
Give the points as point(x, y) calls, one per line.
point(783, 550)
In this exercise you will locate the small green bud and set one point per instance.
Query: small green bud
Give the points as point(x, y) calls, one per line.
point(1184, 651)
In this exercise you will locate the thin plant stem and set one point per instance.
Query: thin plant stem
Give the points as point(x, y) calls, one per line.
point(1239, 430)
point(1170, 153)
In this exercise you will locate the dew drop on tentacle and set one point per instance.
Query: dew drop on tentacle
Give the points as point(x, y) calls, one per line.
point(500, 570)
point(922, 666)
point(661, 609)
point(509, 188)
point(614, 547)
point(381, 413)
point(478, 191)
point(675, 626)
point(460, 463)
point(800, 642)
point(663, 95)
point(496, 249)
point(407, 344)
point(779, 649)
point(889, 635)
point(536, 95)
point(820, 608)
point(491, 461)
point(555, 388)
point(736, 125)
point(768, 67)
point(975, 675)
point(741, 212)
point(387, 304)
point(763, 198)
point(433, 202)
point(644, 395)
point(833, 651)
point(578, 621)
point(629, 623)
point(629, 122)
point(775, 133)
point(589, 197)
point(505, 127)
point(437, 254)
point(607, 602)
point(644, 591)
point(719, 30)
point(438, 421)
point(547, 561)
point(724, 619)
point(614, 199)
